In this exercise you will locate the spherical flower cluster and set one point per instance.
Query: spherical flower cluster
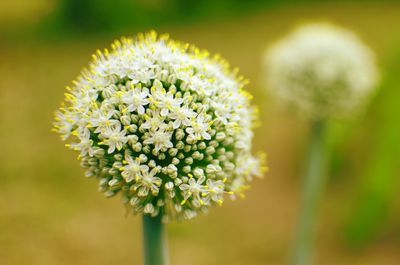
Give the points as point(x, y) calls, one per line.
point(321, 70)
point(163, 124)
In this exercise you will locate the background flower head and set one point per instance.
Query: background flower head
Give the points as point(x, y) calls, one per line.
point(321, 70)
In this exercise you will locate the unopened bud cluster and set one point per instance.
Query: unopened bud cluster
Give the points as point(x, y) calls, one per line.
point(163, 124)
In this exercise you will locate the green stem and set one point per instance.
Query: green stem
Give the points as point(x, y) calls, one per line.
point(314, 182)
point(154, 239)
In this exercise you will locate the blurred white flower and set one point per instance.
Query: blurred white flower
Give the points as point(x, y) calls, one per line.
point(321, 70)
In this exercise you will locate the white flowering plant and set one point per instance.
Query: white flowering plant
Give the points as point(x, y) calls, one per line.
point(321, 70)
point(163, 124)
point(324, 73)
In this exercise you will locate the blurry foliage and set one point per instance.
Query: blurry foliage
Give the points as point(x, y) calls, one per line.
point(66, 18)
point(97, 16)
point(94, 16)
point(83, 16)
point(380, 177)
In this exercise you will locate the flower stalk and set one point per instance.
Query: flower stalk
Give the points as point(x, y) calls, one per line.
point(154, 241)
point(314, 184)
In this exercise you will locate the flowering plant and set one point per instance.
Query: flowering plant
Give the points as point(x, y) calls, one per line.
point(323, 72)
point(163, 124)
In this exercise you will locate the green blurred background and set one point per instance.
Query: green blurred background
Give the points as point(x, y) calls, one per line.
point(51, 214)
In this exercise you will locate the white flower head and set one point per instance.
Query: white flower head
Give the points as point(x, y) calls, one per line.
point(321, 70)
point(162, 124)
